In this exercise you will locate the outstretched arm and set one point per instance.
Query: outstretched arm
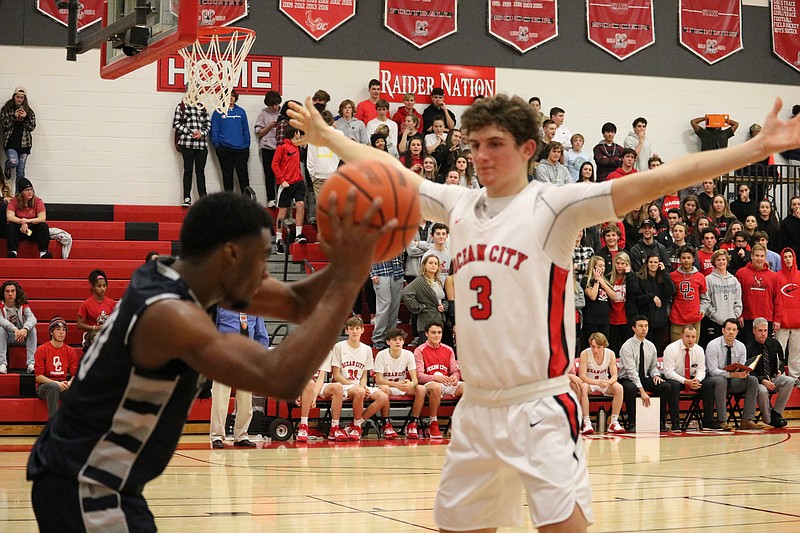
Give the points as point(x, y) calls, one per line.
point(777, 135)
point(318, 133)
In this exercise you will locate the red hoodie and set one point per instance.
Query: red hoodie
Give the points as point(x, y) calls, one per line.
point(759, 293)
point(286, 163)
point(789, 292)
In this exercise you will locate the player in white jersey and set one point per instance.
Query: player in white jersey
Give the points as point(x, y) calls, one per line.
point(351, 361)
point(396, 375)
point(517, 424)
point(599, 377)
point(318, 388)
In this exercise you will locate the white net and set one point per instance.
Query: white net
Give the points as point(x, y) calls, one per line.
point(213, 64)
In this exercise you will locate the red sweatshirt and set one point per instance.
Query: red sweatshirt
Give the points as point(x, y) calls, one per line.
point(439, 360)
point(286, 163)
point(58, 364)
point(759, 293)
point(789, 293)
point(686, 304)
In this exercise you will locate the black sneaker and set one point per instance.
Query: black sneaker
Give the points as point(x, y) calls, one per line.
point(217, 444)
point(187, 202)
point(301, 239)
point(12, 254)
point(250, 193)
point(244, 443)
point(712, 426)
point(47, 255)
point(777, 420)
point(280, 247)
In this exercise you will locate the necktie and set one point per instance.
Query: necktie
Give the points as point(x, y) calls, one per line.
point(765, 357)
point(728, 357)
point(687, 365)
point(641, 361)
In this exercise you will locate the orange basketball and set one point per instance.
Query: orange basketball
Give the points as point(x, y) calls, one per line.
point(373, 179)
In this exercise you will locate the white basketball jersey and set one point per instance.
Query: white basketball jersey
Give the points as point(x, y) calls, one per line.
point(351, 361)
point(395, 369)
point(595, 371)
point(513, 277)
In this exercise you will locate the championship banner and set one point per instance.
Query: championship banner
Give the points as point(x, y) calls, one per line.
point(621, 28)
point(785, 27)
point(461, 84)
point(259, 74)
point(523, 25)
point(218, 12)
point(90, 11)
point(711, 29)
point(421, 22)
point(318, 17)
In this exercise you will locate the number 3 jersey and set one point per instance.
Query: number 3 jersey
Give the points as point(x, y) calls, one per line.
point(352, 362)
point(513, 276)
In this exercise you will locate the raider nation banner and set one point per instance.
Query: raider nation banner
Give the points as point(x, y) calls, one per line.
point(90, 11)
point(318, 17)
point(785, 28)
point(711, 29)
point(461, 83)
point(622, 27)
point(523, 25)
point(421, 22)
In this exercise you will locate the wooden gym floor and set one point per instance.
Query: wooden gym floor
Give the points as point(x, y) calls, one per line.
point(696, 482)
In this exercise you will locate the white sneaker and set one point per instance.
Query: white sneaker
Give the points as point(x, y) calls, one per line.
point(3, 369)
point(587, 429)
point(187, 202)
point(30, 369)
point(614, 428)
point(271, 203)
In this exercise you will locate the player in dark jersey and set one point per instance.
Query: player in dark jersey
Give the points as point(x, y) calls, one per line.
point(121, 422)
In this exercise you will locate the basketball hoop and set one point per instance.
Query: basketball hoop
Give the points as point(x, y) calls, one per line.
point(213, 64)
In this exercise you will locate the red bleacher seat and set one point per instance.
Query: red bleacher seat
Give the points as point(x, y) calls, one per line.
point(69, 289)
point(67, 268)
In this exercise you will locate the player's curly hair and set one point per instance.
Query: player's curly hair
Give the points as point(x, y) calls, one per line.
point(21, 298)
point(220, 218)
point(509, 113)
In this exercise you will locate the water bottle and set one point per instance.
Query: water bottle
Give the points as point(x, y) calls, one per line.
point(601, 421)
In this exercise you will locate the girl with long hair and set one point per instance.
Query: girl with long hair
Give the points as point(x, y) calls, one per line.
point(464, 177)
point(768, 222)
point(599, 295)
point(653, 294)
point(430, 170)
point(623, 308)
point(720, 213)
point(26, 219)
point(690, 211)
point(17, 120)
point(425, 295)
point(412, 157)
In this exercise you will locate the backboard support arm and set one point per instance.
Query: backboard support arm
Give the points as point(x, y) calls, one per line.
point(115, 31)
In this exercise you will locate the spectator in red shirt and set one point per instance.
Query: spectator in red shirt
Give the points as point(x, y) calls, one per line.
point(25, 217)
point(96, 309)
point(690, 285)
point(628, 162)
point(55, 365)
point(407, 109)
point(438, 371)
point(760, 293)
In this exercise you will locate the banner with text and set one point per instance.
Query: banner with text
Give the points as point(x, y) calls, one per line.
point(523, 25)
point(318, 17)
point(421, 22)
point(621, 28)
point(461, 84)
point(786, 32)
point(259, 74)
point(711, 29)
point(218, 12)
point(90, 11)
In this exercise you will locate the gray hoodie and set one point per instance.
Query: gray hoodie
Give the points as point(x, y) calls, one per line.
point(632, 141)
point(723, 297)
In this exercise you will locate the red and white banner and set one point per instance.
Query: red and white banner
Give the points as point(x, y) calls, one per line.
point(318, 17)
point(461, 84)
point(786, 31)
point(523, 25)
point(620, 27)
point(711, 29)
point(259, 75)
point(90, 11)
point(219, 12)
point(421, 22)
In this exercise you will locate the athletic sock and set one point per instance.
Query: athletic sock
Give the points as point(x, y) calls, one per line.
point(614, 418)
point(304, 420)
point(357, 423)
point(334, 423)
point(587, 420)
point(434, 419)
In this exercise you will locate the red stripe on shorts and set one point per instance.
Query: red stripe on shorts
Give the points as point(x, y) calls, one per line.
point(559, 352)
point(570, 407)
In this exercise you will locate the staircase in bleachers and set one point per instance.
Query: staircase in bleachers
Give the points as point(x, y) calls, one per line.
point(115, 239)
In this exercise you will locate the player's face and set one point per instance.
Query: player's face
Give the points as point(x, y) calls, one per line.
point(247, 271)
point(729, 332)
point(759, 258)
point(678, 233)
point(10, 295)
point(761, 332)
point(59, 333)
point(596, 348)
point(396, 343)
point(612, 238)
point(100, 287)
point(434, 334)
point(721, 262)
point(689, 337)
point(440, 236)
point(641, 328)
point(354, 332)
point(788, 258)
point(500, 162)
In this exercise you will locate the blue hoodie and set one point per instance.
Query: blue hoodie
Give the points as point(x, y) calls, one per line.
point(230, 131)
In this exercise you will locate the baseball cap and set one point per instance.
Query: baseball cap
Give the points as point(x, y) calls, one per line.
point(647, 222)
point(56, 322)
point(20, 90)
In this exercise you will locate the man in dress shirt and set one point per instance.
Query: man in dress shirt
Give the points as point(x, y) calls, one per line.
point(769, 373)
point(723, 351)
point(674, 365)
point(640, 375)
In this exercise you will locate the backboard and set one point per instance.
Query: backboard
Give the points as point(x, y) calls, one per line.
point(169, 25)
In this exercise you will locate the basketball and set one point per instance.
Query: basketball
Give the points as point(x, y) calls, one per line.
point(373, 179)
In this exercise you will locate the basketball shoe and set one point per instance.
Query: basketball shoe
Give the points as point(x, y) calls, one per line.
point(336, 433)
point(587, 429)
point(411, 431)
point(388, 432)
point(353, 432)
point(615, 428)
point(436, 433)
point(302, 433)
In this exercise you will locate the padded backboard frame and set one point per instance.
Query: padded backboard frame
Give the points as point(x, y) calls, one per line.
point(161, 43)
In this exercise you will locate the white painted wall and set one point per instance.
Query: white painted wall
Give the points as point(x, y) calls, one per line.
point(101, 141)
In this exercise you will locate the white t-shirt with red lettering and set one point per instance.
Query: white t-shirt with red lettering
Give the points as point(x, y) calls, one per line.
point(352, 362)
point(395, 370)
